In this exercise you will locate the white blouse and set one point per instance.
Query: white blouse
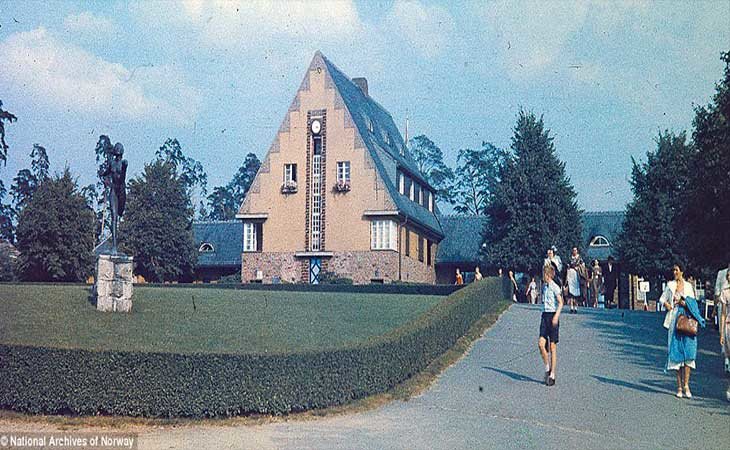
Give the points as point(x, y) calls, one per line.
point(668, 297)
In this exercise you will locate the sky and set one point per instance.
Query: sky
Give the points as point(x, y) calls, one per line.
point(219, 76)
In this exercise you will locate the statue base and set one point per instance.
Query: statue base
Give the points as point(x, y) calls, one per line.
point(113, 283)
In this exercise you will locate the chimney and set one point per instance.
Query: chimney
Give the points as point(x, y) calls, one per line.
point(362, 83)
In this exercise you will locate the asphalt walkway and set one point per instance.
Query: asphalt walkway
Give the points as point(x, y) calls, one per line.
point(611, 393)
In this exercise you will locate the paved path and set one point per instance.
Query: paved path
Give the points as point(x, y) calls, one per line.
point(611, 394)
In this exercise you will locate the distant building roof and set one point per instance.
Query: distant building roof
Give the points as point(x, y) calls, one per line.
point(606, 224)
point(385, 145)
point(463, 239)
point(226, 240)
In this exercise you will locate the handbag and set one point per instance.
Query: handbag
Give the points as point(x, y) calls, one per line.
point(686, 326)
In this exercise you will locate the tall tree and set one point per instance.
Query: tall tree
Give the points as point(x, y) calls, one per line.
point(188, 170)
point(27, 181)
point(224, 201)
point(706, 216)
point(56, 233)
point(534, 205)
point(6, 216)
point(8, 117)
point(650, 241)
point(476, 178)
point(430, 161)
point(157, 228)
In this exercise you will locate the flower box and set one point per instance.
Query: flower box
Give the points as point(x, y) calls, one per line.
point(289, 187)
point(342, 186)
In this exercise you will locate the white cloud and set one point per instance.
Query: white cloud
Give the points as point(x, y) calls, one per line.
point(532, 35)
point(234, 24)
point(88, 23)
point(429, 29)
point(52, 72)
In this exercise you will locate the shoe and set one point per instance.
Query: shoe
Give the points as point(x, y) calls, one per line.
point(679, 394)
point(551, 381)
point(547, 375)
point(727, 395)
point(687, 392)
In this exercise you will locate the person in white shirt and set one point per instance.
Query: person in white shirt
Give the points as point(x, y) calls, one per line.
point(531, 293)
point(722, 298)
point(552, 305)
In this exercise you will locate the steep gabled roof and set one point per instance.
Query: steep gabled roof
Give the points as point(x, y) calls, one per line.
point(463, 239)
point(385, 145)
point(226, 237)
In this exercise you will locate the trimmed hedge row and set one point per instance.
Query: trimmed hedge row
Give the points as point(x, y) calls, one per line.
point(392, 288)
point(64, 381)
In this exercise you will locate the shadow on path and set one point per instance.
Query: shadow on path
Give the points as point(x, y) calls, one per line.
point(626, 384)
point(514, 375)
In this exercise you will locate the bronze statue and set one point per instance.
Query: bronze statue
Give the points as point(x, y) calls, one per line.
point(114, 174)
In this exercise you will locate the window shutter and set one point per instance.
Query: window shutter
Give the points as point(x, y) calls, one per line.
point(294, 172)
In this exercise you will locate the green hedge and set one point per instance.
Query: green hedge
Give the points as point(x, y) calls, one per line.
point(65, 381)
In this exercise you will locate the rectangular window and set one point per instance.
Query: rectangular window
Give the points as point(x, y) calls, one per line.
point(400, 183)
point(259, 233)
point(412, 190)
point(290, 173)
point(249, 237)
point(343, 172)
point(429, 249)
point(430, 202)
point(383, 235)
point(420, 248)
point(407, 185)
point(424, 198)
point(317, 144)
point(417, 193)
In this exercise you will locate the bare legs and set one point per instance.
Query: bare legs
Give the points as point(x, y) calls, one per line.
point(685, 370)
point(550, 359)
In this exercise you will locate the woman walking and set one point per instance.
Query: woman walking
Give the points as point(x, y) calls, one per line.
point(724, 300)
point(596, 283)
point(679, 300)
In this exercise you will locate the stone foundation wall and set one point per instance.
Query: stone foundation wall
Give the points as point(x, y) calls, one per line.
point(415, 271)
point(113, 288)
point(271, 264)
point(362, 267)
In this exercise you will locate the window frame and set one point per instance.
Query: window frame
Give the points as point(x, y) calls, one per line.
point(344, 172)
point(595, 242)
point(250, 243)
point(203, 248)
point(290, 175)
point(383, 235)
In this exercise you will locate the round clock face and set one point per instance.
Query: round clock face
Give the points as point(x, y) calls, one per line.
point(316, 126)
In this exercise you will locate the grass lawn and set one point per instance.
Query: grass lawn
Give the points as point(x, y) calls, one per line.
point(224, 320)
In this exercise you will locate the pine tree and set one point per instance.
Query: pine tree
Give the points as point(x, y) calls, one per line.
point(650, 242)
point(56, 233)
point(534, 205)
point(157, 226)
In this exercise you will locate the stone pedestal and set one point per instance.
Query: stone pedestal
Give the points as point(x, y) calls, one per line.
point(113, 283)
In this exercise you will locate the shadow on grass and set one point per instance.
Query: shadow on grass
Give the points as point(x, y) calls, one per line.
point(514, 375)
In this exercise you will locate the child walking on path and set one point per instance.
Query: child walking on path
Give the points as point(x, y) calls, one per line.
point(552, 304)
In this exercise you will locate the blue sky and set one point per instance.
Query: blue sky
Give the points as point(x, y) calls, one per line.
point(219, 76)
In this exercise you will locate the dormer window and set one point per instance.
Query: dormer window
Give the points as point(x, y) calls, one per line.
point(599, 241)
point(206, 247)
point(369, 124)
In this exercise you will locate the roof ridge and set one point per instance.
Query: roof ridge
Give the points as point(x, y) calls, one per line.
point(213, 222)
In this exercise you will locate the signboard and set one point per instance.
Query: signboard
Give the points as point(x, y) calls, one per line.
point(643, 286)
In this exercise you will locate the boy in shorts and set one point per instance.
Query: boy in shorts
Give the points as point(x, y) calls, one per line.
point(552, 304)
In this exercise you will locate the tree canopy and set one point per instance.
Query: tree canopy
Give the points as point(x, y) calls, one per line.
point(5, 116)
point(650, 242)
point(430, 162)
point(534, 205)
point(476, 178)
point(706, 217)
point(55, 234)
point(224, 201)
point(157, 226)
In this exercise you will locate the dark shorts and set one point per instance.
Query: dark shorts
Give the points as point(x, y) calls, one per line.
point(547, 330)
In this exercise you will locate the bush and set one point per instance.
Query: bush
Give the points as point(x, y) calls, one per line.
point(42, 380)
point(333, 278)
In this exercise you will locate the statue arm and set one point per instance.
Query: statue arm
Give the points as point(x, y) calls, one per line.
point(124, 170)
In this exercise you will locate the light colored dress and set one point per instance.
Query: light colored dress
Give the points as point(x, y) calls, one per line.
point(670, 319)
point(724, 299)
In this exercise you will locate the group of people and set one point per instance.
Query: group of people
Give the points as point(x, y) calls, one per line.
point(682, 320)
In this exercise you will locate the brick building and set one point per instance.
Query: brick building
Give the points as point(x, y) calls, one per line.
point(337, 192)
